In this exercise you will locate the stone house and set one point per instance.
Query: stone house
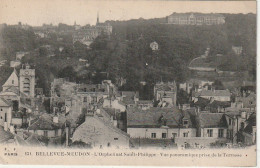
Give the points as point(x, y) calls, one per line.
point(159, 123)
point(98, 132)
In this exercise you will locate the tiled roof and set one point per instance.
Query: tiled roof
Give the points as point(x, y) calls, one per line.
point(216, 104)
point(151, 118)
point(212, 120)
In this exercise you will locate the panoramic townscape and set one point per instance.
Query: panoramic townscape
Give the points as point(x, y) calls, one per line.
point(184, 81)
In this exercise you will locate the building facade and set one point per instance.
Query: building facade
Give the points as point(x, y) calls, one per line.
point(196, 19)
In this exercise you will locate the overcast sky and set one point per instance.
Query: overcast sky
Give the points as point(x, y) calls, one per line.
point(37, 12)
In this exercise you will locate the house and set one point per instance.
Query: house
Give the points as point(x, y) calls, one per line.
point(100, 133)
point(248, 101)
point(249, 132)
point(114, 103)
point(48, 125)
point(212, 125)
point(154, 46)
point(159, 123)
point(196, 84)
point(218, 95)
point(236, 121)
point(166, 92)
point(5, 113)
point(211, 131)
point(196, 19)
point(129, 98)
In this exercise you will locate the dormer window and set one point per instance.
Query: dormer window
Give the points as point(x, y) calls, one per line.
point(185, 122)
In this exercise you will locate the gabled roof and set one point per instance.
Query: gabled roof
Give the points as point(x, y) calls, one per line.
point(138, 118)
point(212, 120)
point(13, 76)
point(5, 103)
point(102, 129)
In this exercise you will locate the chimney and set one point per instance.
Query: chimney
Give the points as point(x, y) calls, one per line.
point(56, 119)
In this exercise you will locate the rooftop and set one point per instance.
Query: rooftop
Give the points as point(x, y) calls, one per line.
point(212, 120)
point(153, 117)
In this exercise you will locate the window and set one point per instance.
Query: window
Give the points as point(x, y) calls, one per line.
point(163, 135)
point(12, 81)
point(45, 133)
point(185, 134)
point(185, 122)
point(108, 144)
point(56, 132)
point(220, 133)
point(153, 135)
point(115, 139)
point(1, 109)
point(210, 132)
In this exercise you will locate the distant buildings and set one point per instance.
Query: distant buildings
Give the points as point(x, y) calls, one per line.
point(87, 34)
point(99, 130)
point(166, 93)
point(218, 95)
point(196, 19)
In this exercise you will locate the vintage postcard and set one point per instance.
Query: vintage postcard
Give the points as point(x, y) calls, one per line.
point(129, 83)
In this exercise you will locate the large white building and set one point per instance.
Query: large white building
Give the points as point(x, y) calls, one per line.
point(196, 19)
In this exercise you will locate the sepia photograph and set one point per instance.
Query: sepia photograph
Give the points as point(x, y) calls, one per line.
point(155, 83)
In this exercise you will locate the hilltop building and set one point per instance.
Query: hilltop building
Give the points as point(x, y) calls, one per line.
point(154, 46)
point(196, 19)
point(87, 34)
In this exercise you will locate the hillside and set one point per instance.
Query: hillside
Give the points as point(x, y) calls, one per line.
point(127, 53)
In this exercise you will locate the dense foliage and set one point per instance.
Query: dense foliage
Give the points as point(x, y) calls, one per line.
point(127, 54)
